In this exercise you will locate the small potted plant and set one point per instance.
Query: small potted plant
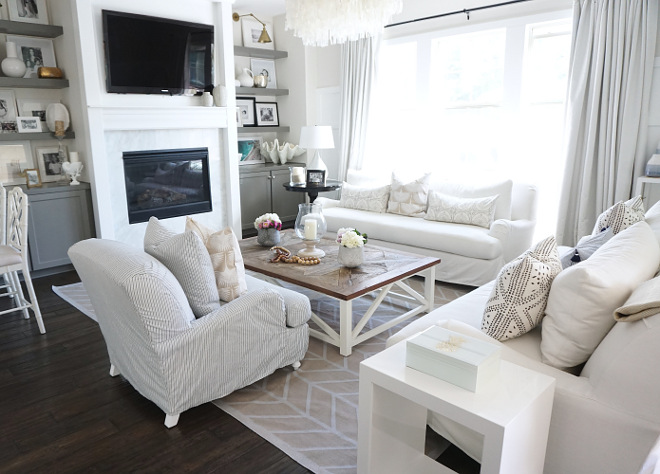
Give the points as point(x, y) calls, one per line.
point(268, 229)
point(351, 247)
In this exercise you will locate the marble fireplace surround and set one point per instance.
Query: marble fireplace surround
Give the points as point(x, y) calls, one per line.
point(156, 128)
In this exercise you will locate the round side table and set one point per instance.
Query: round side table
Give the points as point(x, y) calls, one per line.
point(313, 191)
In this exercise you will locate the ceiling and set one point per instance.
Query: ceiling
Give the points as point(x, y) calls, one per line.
point(267, 8)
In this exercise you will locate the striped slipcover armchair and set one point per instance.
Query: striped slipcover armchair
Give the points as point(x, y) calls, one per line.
point(171, 357)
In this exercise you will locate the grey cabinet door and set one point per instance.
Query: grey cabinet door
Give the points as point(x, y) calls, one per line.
point(285, 203)
point(56, 221)
point(255, 197)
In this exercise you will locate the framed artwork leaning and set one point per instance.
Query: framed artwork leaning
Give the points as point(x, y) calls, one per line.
point(249, 150)
point(266, 113)
point(35, 52)
point(28, 11)
point(246, 111)
point(49, 163)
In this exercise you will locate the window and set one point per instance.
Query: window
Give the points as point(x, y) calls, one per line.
point(484, 103)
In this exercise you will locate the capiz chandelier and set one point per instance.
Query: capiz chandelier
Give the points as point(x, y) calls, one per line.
point(324, 22)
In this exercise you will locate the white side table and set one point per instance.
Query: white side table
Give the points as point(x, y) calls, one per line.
point(642, 181)
point(513, 415)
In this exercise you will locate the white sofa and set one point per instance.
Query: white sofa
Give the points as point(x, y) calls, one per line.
point(471, 255)
point(606, 413)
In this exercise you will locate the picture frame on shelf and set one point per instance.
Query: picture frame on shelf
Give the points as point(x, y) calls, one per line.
point(34, 108)
point(252, 29)
point(266, 113)
point(32, 178)
point(246, 111)
point(49, 163)
point(8, 112)
point(249, 150)
point(13, 159)
point(35, 52)
point(315, 177)
point(28, 124)
point(265, 67)
point(30, 11)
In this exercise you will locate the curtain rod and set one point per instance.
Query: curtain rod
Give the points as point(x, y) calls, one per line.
point(466, 11)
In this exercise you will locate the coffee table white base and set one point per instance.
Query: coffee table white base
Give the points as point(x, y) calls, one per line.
point(349, 336)
point(513, 415)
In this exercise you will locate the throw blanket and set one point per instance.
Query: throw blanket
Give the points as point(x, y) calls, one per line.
point(644, 301)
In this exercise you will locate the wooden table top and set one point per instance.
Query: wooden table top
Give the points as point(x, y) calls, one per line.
point(381, 266)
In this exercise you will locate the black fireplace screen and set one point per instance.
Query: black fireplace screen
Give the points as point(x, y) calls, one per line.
point(166, 183)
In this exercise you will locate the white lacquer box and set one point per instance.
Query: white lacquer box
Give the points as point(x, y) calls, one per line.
point(462, 360)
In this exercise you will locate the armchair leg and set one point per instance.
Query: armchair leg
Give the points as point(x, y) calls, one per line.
point(296, 365)
point(113, 370)
point(171, 420)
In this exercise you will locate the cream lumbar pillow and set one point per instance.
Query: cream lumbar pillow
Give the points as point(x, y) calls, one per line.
point(226, 259)
point(365, 199)
point(517, 301)
point(460, 210)
point(409, 199)
point(621, 216)
point(584, 297)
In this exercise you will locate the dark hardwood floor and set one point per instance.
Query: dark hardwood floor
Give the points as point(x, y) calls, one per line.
point(61, 412)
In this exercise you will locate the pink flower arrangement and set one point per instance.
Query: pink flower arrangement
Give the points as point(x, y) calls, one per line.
point(268, 221)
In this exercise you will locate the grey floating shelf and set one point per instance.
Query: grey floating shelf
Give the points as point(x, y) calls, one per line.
point(33, 83)
point(261, 91)
point(259, 53)
point(30, 29)
point(245, 130)
point(17, 137)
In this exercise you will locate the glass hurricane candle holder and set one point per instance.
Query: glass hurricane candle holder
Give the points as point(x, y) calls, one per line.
point(310, 227)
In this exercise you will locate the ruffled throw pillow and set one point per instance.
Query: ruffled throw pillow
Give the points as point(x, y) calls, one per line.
point(409, 199)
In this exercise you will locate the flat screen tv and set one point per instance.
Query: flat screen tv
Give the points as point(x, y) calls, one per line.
point(149, 55)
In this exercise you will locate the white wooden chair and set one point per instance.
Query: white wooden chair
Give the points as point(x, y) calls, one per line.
point(14, 257)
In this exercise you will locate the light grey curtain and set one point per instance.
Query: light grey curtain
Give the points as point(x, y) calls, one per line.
point(359, 72)
point(609, 88)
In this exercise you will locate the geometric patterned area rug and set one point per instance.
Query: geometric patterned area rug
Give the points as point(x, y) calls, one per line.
point(311, 413)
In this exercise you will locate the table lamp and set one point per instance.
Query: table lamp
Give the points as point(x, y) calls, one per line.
point(318, 137)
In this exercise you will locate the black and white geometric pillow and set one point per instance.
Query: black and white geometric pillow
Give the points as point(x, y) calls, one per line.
point(621, 216)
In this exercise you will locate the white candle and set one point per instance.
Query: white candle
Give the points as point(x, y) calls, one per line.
point(310, 229)
point(298, 175)
point(73, 157)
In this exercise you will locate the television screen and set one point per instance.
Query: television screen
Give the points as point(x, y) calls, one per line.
point(148, 55)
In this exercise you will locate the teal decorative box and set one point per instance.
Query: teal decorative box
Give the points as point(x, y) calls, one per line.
point(462, 360)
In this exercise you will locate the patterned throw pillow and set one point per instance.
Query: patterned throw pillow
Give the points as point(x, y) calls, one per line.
point(409, 199)
point(517, 302)
point(226, 259)
point(365, 199)
point(458, 210)
point(621, 216)
point(186, 257)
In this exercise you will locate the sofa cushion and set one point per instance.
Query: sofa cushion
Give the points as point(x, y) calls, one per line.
point(409, 199)
point(226, 259)
point(366, 199)
point(621, 216)
point(583, 297)
point(460, 239)
point(517, 302)
point(472, 211)
point(502, 189)
point(586, 247)
point(187, 258)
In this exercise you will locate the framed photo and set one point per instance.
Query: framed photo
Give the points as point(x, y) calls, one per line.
point(13, 160)
point(249, 149)
point(7, 111)
point(35, 52)
point(28, 124)
point(252, 29)
point(33, 108)
point(315, 177)
point(32, 178)
point(267, 114)
point(28, 11)
point(246, 111)
point(48, 161)
point(265, 67)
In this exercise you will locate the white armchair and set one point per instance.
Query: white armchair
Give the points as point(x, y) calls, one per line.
point(167, 355)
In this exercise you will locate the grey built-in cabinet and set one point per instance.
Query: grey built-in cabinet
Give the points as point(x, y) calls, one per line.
point(58, 217)
point(262, 191)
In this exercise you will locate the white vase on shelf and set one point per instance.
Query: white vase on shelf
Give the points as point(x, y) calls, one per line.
point(12, 66)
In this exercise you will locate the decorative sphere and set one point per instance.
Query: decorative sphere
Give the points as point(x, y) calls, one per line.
point(13, 67)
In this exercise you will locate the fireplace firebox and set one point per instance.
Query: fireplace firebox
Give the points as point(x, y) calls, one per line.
point(166, 183)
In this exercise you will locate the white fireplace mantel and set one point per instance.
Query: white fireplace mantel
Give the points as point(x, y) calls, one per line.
point(164, 118)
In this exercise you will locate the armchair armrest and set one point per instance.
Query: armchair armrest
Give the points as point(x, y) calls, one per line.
point(297, 308)
point(516, 236)
point(326, 203)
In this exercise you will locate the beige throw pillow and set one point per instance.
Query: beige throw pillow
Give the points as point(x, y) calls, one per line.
point(621, 216)
point(409, 199)
point(365, 199)
point(226, 259)
point(517, 301)
point(459, 210)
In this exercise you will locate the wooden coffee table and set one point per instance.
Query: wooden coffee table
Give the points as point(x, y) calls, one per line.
point(382, 270)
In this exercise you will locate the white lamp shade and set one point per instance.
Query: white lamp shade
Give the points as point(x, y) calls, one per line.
point(318, 137)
